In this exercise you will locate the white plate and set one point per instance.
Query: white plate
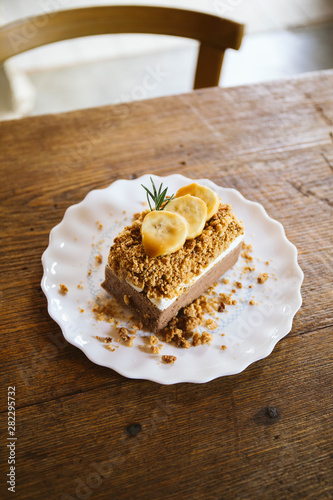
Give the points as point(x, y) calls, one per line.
point(250, 332)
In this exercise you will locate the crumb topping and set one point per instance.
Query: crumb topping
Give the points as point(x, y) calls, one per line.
point(211, 324)
point(169, 360)
point(247, 248)
point(196, 339)
point(124, 334)
point(154, 349)
point(248, 269)
point(106, 340)
point(221, 307)
point(63, 289)
point(262, 278)
point(183, 326)
point(246, 255)
point(206, 338)
point(226, 299)
point(162, 276)
point(99, 259)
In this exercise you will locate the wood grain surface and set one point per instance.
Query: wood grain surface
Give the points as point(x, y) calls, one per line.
point(84, 431)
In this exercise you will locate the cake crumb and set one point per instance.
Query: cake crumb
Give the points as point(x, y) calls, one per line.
point(248, 269)
point(138, 326)
point(238, 284)
point(182, 342)
point(206, 338)
point(81, 310)
point(89, 272)
point(110, 348)
point(63, 289)
point(104, 311)
point(223, 347)
point(99, 225)
point(233, 290)
point(127, 299)
point(247, 256)
point(106, 340)
point(262, 278)
point(246, 247)
point(80, 286)
point(99, 259)
point(124, 334)
point(226, 298)
point(221, 307)
point(234, 302)
point(267, 263)
point(169, 360)
point(152, 340)
point(196, 339)
point(225, 281)
point(211, 324)
point(154, 349)
point(252, 302)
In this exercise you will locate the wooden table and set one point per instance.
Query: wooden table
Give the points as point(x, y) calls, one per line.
point(265, 433)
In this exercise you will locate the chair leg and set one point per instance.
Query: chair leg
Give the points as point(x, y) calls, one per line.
point(209, 66)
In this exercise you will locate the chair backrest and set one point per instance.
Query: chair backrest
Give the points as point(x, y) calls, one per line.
point(215, 34)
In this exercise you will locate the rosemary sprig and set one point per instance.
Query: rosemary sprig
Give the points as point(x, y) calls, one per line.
point(158, 197)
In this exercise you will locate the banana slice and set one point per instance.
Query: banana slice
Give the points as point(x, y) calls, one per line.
point(163, 232)
point(205, 194)
point(193, 209)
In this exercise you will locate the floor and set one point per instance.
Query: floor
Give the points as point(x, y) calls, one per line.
point(284, 37)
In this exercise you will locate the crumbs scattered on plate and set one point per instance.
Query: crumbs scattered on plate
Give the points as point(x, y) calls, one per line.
point(63, 289)
point(183, 331)
point(169, 360)
point(99, 258)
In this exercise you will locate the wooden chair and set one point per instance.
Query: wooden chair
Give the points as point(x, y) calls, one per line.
point(215, 34)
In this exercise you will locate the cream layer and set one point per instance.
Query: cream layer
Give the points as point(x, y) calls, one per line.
point(164, 303)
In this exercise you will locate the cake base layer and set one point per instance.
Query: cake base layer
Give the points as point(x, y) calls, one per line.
point(150, 315)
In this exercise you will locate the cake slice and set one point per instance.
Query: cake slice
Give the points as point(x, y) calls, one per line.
point(155, 288)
